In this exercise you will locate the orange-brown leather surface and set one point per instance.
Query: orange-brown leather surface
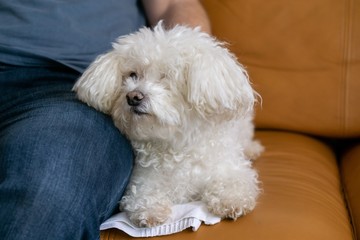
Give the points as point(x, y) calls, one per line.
point(351, 180)
point(303, 57)
point(301, 199)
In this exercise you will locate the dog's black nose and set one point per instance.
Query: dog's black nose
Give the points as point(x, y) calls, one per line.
point(134, 98)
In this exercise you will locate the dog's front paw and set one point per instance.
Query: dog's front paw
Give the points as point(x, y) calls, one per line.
point(230, 208)
point(146, 208)
point(150, 217)
point(232, 196)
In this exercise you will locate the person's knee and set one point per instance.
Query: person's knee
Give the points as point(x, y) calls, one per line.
point(69, 162)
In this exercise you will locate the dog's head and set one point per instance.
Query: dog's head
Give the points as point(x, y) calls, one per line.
point(155, 82)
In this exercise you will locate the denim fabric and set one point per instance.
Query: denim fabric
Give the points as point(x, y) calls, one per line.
point(63, 165)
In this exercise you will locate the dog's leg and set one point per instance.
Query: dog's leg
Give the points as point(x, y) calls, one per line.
point(145, 213)
point(233, 193)
point(146, 201)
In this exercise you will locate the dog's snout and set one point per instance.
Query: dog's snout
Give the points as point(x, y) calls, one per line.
point(134, 98)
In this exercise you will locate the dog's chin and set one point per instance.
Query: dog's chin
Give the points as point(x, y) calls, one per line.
point(146, 126)
point(138, 111)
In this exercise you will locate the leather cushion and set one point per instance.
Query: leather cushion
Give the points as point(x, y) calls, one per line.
point(301, 199)
point(351, 179)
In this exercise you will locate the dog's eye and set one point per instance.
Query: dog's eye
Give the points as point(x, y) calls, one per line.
point(133, 75)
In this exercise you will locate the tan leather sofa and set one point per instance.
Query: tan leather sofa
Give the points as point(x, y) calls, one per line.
point(303, 57)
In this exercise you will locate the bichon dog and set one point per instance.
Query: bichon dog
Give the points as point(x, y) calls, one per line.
point(186, 105)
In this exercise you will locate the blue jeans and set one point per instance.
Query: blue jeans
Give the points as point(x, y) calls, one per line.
point(63, 165)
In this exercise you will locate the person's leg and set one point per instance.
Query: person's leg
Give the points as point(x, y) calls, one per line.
point(63, 165)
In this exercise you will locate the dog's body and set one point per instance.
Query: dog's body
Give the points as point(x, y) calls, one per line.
point(186, 105)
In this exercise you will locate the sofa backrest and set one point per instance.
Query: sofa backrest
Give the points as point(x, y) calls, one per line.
point(303, 57)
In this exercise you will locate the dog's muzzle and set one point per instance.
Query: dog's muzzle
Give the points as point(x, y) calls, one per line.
point(134, 99)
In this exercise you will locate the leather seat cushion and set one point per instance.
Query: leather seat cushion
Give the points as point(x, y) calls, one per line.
point(350, 170)
point(302, 196)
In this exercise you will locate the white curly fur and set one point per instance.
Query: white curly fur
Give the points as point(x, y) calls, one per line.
point(192, 131)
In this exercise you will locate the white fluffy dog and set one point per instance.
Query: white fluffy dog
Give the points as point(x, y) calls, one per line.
point(187, 106)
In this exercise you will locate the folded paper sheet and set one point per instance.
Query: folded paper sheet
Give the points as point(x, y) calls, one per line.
point(183, 216)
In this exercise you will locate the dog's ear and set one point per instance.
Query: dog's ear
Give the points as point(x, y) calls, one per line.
point(100, 82)
point(217, 83)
